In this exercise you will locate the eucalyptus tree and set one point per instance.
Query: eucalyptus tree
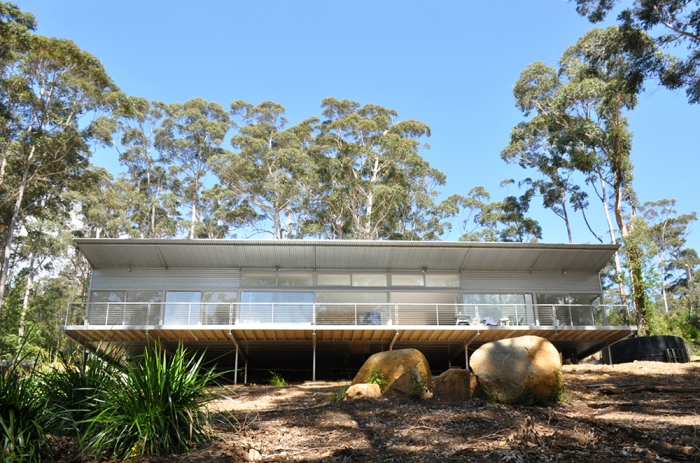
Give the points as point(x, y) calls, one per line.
point(669, 232)
point(364, 157)
point(481, 219)
point(672, 22)
point(268, 168)
point(155, 213)
point(188, 137)
point(582, 106)
point(54, 95)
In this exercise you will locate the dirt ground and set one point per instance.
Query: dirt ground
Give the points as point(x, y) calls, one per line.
point(635, 412)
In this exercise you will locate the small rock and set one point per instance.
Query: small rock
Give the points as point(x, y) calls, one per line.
point(253, 455)
point(363, 391)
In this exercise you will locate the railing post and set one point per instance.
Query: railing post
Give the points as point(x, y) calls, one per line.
point(571, 317)
point(437, 315)
point(516, 314)
point(189, 313)
point(396, 319)
point(313, 313)
point(629, 316)
point(356, 314)
point(107, 314)
point(476, 314)
point(272, 313)
point(148, 313)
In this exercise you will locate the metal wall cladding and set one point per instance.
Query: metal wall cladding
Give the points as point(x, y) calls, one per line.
point(173, 279)
point(376, 258)
point(526, 282)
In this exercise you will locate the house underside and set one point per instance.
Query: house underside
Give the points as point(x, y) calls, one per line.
point(318, 309)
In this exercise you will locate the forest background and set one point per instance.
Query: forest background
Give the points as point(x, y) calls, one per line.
point(547, 128)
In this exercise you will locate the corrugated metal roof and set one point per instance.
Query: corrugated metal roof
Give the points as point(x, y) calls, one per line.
point(344, 254)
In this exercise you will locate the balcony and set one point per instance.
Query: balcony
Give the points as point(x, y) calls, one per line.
point(137, 315)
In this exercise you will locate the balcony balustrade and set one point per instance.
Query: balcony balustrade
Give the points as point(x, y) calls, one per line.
point(134, 314)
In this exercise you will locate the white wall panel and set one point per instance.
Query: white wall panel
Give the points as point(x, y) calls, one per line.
point(184, 279)
point(525, 282)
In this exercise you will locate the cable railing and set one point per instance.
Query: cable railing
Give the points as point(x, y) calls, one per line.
point(112, 314)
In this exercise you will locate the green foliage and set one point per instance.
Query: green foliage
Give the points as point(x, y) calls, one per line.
point(75, 391)
point(375, 377)
point(24, 417)
point(157, 406)
point(419, 386)
point(277, 380)
point(338, 394)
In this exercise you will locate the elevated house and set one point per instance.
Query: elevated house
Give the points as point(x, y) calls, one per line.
point(318, 308)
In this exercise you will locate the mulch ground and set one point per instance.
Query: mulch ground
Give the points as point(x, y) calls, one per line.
point(637, 412)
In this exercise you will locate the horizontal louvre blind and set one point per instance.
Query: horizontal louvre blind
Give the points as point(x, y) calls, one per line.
point(185, 279)
point(525, 282)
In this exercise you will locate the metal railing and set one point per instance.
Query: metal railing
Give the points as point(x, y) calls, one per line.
point(245, 313)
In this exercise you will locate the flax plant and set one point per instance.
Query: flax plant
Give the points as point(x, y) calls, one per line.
point(157, 406)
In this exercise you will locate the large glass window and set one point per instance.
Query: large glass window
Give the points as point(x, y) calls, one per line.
point(426, 308)
point(492, 309)
point(276, 307)
point(182, 307)
point(352, 308)
point(104, 308)
point(216, 307)
point(567, 309)
point(144, 308)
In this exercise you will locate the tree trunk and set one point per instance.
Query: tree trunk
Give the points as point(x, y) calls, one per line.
point(25, 303)
point(11, 228)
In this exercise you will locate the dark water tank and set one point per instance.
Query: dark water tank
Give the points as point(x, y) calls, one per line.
point(652, 348)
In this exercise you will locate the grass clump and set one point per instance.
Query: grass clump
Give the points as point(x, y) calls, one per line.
point(338, 394)
point(155, 406)
point(277, 380)
point(375, 377)
point(24, 419)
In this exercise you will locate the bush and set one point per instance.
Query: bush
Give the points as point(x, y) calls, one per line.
point(74, 392)
point(375, 377)
point(24, 419)
point(157, 407)
point(277, 380)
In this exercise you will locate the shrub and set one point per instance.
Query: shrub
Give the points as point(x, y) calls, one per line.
point(157, 406)
point(375, 377)
point(277, 380)
point(418, 385)
point(75, 392)
point(24, 420)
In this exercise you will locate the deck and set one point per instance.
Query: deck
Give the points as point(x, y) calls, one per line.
point(333, 336)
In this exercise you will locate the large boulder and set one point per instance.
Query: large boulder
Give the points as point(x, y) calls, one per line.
point(395, 367)
point(363, 391)
point(453, 385)
point(526, 369)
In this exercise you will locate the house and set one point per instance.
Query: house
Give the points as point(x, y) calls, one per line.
point(318, 308)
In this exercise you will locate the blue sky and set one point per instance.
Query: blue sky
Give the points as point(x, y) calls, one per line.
point(451, 65)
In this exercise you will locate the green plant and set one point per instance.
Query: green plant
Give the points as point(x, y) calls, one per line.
point(75, 391)
point(419, 386)
point(338, 394)
point(375, 377)
point(277, 380)
point(24, 420)
point(156, 406)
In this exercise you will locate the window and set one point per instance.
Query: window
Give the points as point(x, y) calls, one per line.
point(259, 279)
point(104, 307)
point(148, 311)
point(295, 279)
point(333, 279)
point(182, 307)
point(352, 308)
point(276, 307)
point(433, 280)
point(494, 308)
point(216, 307)
point(567, 309)
point(369, 279)
point(415, 279)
